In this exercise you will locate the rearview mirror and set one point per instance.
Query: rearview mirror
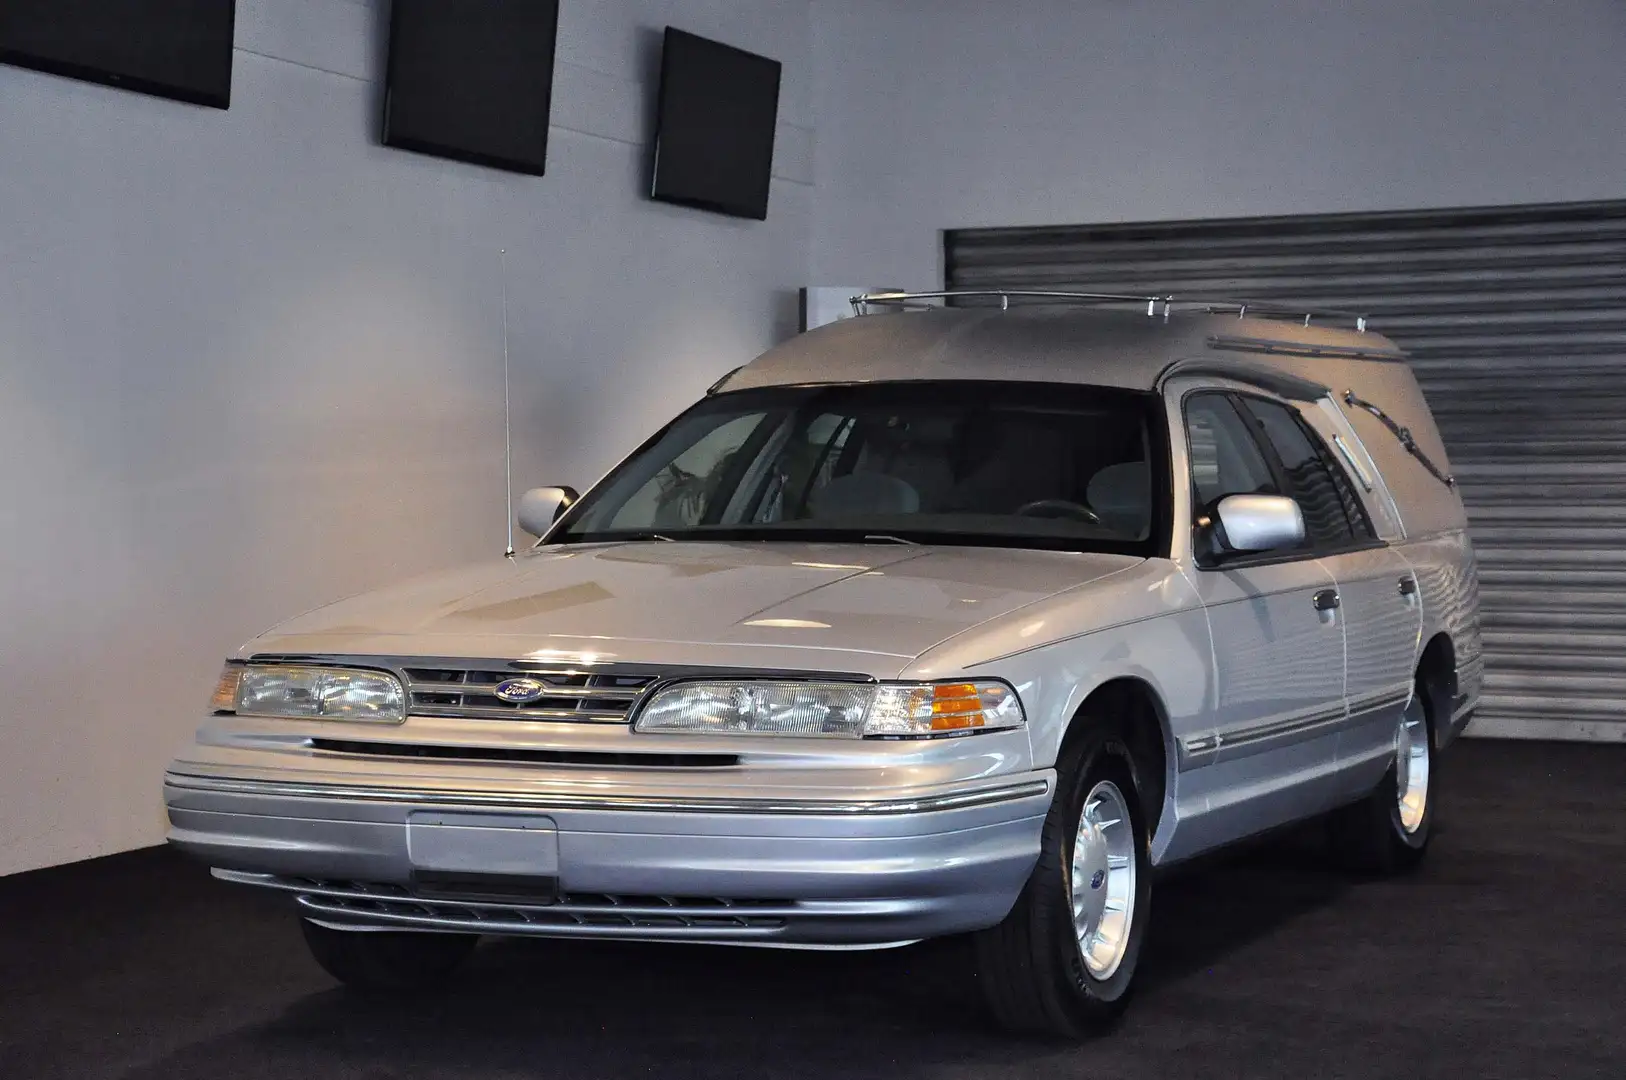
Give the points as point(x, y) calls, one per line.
point(540, 507)
point(1256, 523)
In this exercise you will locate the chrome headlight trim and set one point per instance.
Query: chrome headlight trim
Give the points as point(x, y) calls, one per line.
point(764, 705)
point(313, 692)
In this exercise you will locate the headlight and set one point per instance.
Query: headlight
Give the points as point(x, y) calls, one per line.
point(317, 693)
point(850, 710)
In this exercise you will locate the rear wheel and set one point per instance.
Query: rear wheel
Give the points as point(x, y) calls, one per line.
point(1388, 831)
point(386, 959)
point(1063, 961)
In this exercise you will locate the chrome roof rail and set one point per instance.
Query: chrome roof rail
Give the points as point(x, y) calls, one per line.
point(1273, 308)
point(1005, 296)
point(1156, 305)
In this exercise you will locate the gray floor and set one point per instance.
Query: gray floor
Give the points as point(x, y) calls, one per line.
point(1505, 956)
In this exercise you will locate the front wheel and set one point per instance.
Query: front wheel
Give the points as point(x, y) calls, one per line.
point(1063, 961)
point(386, 960)
point(1388, 831)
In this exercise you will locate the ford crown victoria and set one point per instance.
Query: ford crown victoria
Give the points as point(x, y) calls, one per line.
point(959, 620)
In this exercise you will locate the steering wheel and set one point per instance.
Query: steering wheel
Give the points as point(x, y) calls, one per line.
point(1059, 508)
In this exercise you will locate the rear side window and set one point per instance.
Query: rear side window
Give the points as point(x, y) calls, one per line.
point(1333, 516)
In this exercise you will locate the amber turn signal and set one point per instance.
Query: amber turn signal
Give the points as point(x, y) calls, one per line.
point(224, 699)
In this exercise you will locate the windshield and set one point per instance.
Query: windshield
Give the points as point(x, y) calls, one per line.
point(1024, 465)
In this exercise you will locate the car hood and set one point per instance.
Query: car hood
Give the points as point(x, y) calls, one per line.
point(827, 607)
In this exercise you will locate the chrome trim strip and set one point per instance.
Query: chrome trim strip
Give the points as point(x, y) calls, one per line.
point(396, 664)
point(343, 918)
point(1383, 699)
point(956, 800)
point(1353, 462)
point(538, 715)
point(1255, 739)
point(1198, 745)
point(489, 690)
point(1281, 729)
point(766, 920)
point(1209, 743)
point(738, 910)
point(1274, 347)
point(1276, 381)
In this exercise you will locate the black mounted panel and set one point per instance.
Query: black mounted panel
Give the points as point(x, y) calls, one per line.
point(179, 49)
point(472, 80)
point(714, 135)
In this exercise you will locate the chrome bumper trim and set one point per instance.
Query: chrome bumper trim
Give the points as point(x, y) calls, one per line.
point(350, 905)
point(616, 907)
point(339, 918)
point(955, 800)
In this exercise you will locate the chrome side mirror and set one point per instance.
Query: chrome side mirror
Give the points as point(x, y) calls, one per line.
point(1256, 523)
point(540, 507)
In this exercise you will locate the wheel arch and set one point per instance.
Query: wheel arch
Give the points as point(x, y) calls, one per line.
point(1145, 725)
point(1437, 674)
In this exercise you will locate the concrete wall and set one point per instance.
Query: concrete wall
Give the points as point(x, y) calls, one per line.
point(946, 113)
point(251, 361)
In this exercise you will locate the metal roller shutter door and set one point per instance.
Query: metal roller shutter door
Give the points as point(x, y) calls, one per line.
point(1515, 319)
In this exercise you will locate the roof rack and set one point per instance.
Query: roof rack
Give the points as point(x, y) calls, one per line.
point(1155, 305)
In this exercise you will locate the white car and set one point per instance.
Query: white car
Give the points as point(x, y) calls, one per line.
point(963, 619)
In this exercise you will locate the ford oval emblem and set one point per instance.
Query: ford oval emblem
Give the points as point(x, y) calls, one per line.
point(519, 691)
point(1097, 878)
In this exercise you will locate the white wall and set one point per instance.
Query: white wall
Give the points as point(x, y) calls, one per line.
point(937, 114)
point(250, 361)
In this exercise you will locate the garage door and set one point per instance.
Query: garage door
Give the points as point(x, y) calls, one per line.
point(1515, 319)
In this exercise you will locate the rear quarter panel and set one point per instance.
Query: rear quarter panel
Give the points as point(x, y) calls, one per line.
point(1448, 581)
point(1433, 523)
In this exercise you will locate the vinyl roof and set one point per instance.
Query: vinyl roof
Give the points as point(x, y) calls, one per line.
point(1034, 343)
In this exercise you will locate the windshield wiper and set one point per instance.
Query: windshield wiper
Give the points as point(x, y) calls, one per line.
point(634, 537)
point(887, 538)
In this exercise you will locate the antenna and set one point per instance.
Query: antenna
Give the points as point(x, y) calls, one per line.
point(507, 428)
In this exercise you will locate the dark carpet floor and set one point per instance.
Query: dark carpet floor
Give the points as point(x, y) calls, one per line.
point(1505, 956)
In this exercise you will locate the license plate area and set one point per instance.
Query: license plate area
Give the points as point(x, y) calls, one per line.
point(500, 858)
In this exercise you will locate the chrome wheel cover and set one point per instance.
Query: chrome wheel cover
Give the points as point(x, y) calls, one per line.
point(1411, 766)
point(1103, 880)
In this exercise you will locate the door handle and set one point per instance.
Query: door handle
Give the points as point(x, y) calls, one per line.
point(1408, 586)
point(1326, 600)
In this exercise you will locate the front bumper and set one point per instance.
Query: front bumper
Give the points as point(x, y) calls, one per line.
point(857, 871)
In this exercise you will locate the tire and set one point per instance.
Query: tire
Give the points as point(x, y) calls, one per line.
point(1031, 966)
point(1381, 835)
point(386, 960)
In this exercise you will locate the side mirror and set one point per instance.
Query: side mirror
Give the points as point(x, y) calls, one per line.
point(540, 507)
point(1255, 523)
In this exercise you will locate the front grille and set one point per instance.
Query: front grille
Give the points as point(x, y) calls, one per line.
point(471, 693)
